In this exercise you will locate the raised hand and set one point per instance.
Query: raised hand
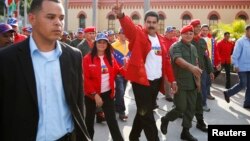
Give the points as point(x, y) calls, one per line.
point(117, 9)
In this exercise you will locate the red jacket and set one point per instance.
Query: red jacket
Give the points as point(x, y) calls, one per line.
point(225, 49)
point(140, 46)
point(92, 75)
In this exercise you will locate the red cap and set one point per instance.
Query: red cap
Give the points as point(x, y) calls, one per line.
point(195, 22)
point(89, 29)
point(187, 29)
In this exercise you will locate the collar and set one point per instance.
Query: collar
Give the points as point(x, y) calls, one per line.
point(33, 47)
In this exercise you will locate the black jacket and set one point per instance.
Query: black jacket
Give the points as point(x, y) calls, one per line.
point(18, 96)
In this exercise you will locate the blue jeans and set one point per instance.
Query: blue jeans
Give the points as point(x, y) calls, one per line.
point(244, 82)
point(121, 84)
point(205, 85)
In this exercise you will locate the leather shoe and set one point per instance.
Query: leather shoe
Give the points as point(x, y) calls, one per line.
point(201, 127)
point(156, 106)
point(246, 106)
point(210, 97)
point(226, 97)
point(185, 135)
point(169, 99)
point(164, 126)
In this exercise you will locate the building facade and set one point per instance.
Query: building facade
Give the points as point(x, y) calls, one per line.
point(83, 13)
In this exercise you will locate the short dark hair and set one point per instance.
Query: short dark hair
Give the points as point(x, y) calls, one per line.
point(248, 27)
point(151, 14)
point(226, 33)
point(36, 5)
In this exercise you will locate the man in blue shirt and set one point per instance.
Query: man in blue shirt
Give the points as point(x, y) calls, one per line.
point(241, 62)
point(41, 92)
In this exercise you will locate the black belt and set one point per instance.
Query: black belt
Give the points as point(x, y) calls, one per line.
point(66, 137)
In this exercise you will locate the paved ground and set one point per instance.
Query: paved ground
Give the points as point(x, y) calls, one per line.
point(221, 113)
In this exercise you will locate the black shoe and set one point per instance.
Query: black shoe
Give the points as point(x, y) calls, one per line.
point(164, 126)
point(156, 106)
point(185, 135)
point(169, 99)
point(246, 106)
point(201, 126)
point(226, 97)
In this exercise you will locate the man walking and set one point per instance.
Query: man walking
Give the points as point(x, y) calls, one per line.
point(241, 62)
point(187, 72)
point(41, 82)
point(148, 65)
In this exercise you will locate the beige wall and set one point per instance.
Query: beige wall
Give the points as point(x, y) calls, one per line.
point(173, 16)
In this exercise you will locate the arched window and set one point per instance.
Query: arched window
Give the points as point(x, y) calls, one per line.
point(82, 21)
point(111, 22)
point(186, 19)
point(136, 19)
point(242, 17)
point(213, 20)
point(161, 23)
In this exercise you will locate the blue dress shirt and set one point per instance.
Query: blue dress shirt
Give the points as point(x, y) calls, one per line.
point(55, 119)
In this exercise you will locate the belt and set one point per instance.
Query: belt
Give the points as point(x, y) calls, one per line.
point(66, 137)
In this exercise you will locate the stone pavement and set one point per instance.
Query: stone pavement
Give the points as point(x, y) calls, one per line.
point(221, 113)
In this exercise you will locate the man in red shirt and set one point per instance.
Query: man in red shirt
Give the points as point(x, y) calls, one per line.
point(14, 23)
point(225, 48)
point(148, 65)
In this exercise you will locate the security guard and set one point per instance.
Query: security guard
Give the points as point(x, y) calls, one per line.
point(207, 69)
point(184, 61)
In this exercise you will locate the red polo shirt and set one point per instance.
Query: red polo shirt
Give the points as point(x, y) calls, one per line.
point(225, 49)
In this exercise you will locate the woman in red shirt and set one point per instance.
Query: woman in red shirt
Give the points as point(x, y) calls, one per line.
point(100, 69)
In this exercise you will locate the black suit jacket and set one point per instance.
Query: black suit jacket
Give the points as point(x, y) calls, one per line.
point(18, 96)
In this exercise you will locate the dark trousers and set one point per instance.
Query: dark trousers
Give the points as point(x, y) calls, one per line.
point(199, 109)
point(227, 70)
point(109, 111)
point(185, 102)
point(144, 118)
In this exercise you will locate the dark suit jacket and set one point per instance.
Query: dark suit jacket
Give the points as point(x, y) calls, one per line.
point(84, 47)
point(18, 96)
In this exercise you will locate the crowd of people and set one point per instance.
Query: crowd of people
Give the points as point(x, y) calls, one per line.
point(53, 84)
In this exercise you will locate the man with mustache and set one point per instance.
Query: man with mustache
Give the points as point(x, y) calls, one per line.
point(41, 92)
point(149, 64)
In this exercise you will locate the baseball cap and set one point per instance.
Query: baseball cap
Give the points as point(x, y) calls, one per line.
point(29, 29)
point(65, 33)
point(80, 30)
point(5, 28)
point(169, 29)
point(101, 36)
point(111, 32)
point(12, 22)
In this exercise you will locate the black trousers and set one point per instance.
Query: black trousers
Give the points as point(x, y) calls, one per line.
point(144, 118)
point(109, 111)
point(227, 68)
